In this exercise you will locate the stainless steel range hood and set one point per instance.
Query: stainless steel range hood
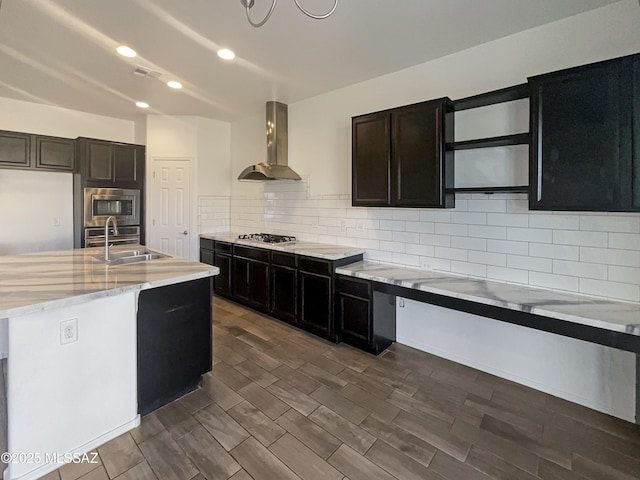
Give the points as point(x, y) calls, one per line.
point(276, 167)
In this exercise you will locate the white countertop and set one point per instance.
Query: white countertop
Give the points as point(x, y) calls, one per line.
point(601, 313)
point(309, 249)
point(39, 281)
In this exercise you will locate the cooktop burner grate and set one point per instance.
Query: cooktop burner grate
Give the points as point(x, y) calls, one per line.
point(267, 238)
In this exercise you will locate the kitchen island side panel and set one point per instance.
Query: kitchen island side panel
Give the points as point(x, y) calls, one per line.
point(70, 397)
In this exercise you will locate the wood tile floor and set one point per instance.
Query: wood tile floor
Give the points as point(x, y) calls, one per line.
point(281, 405)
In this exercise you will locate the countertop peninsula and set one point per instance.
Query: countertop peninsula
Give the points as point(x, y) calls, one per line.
point(308, 249)
point(38, 281)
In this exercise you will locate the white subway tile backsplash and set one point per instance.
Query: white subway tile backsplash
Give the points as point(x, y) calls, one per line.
point(435, 240)
point(625, 258)
point(580, 269)
point(451, 253)
point(452, 229)
point(469, 243)
point(406, 237)
point(394, 225)
point(624, 274)
point(607, 223)
point(486, 236)
point(470, 218)
point(508, 220)
point(466, 268)
point(485, 231)
point(622, 291)
point(423, 250)
point(529, 235)
point(559, 222)
point(435, 216)
point(535, 264)
point(507, 246)
point(486, 206)
point(556, 282)
point(508, 274)
point(404, 259)
point(580, 238)
point(420, 227)
point(488, 258)
point(624, 241)
point(563, 252)
point(407, 214)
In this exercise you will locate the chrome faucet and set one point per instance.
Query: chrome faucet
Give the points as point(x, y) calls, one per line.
point(106, 235)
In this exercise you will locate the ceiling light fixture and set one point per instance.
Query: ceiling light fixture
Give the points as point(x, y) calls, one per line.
point(142, 104)
point(247, 4)
point(174, 84)
point(226, 54)
point(126, 51)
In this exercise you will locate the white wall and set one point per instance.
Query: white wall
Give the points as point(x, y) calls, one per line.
point(31, 201)
point(206, 143)
point(598, 377)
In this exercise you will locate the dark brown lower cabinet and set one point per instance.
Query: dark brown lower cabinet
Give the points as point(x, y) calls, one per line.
point(284, 293)
point(316, 312)
point(366, 319)
point(296, 289)
point(173, 342)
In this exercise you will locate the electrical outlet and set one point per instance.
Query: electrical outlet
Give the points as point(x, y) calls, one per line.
point(360, 227)
point(69, 331)
point(425, 264)
point(343, 225)
point(56, 222)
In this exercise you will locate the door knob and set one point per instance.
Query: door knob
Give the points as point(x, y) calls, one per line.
point(184, 233)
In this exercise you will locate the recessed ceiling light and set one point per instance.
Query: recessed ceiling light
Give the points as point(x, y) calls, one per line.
point(174, 84)
point(226, 54)
point(142, 104)
point(126, 51)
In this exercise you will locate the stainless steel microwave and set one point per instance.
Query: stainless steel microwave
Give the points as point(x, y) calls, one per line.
point(101, 203)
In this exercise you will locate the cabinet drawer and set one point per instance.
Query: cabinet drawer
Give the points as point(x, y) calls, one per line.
point(355, 287)
point(250, 252)
point(206, 243)
point(223, 247)
point(313, 265)
point(284, 259)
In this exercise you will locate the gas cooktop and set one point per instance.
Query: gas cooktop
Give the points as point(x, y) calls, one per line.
point(267, 238)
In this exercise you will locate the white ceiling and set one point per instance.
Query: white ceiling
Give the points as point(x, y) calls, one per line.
point(62, 52)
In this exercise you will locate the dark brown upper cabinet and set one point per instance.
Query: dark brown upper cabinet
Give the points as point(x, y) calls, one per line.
point(107, 163)
point(36, 152)
point(399, 157)
point(584, 138)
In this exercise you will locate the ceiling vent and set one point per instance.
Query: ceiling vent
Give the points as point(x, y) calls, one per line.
point(145, 72)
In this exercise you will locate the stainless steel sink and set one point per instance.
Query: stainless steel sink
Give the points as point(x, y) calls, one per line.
point(132, 256)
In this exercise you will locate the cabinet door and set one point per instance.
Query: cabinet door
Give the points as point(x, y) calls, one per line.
point(99, 160)
point(222, 281)
point(576, 126)
point(284, 293)
point(259, 285)
point(370, 159)
point(55, 153)
point(125, 168)
point(417, 158)
point(15, 149)
point(354, 315)
point(240, 279)
point(315, 303)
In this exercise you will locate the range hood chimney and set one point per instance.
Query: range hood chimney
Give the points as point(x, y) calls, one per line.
point(276, 167)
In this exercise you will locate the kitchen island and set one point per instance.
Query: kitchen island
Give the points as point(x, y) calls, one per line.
point(73, 330)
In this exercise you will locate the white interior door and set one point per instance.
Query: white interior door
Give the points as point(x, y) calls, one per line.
point(170, 222)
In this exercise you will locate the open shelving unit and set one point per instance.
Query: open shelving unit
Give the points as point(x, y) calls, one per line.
point(503, 95)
